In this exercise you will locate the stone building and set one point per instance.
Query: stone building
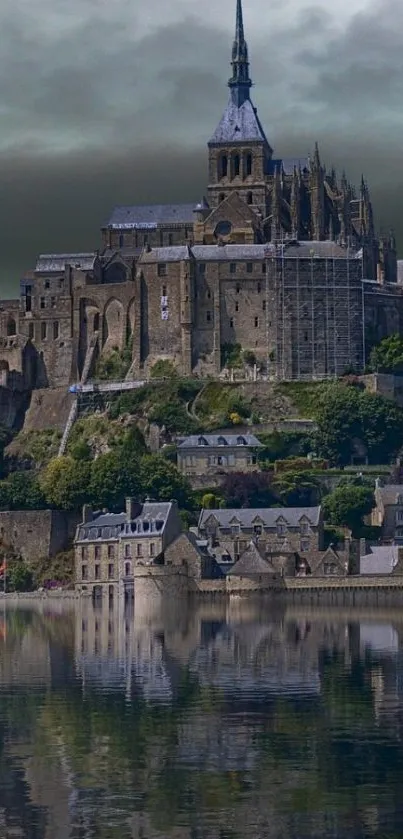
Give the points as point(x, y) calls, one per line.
point(388, 512)
point(281, 257)
point(205, 454)
point(276, 531)
point(37, 534)
point(109, 545)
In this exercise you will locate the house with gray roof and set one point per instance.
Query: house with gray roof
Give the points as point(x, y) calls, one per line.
point(276, 531)
point(382, 559)
point(212, 454)
point(388, 512)
point(108, 545)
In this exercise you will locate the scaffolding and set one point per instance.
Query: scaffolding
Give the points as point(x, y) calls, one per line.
point(316, 303)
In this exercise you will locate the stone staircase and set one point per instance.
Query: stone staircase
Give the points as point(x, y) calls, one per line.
point(69, 424)
point(89, 357)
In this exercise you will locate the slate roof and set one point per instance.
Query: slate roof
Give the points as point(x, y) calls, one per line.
point(238, 125)
point(381, 560)
point(145, 216)
point(250, 563)
point(219, 440)
point(268, 516)
point(176, 253)
point(228, 253)
point(389, 493)
point(288, 164)
point(307, 250)
point(115, 525)
point(48, 262)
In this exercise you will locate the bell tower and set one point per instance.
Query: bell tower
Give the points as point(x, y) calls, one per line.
point(239, 152)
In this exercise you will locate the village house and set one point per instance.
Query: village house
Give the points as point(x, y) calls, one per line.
point(382, 559)
point(108, 545)
point(388, 512)
point(211, 453)
point(276, 531)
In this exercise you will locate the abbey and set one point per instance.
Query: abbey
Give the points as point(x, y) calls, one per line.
point(281, 257)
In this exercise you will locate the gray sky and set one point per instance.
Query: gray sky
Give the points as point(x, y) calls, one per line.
point(106, 102)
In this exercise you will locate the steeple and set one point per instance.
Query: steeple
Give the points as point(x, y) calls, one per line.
point(240, 82)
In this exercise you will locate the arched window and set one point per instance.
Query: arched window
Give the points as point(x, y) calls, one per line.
point(224, 166)
point(128, 569)
point(11, 327)
point(96, 322)
point(237, 165)
point(248, 162)
point(249, 198)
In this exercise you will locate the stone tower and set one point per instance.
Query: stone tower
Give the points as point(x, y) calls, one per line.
point(239, 153)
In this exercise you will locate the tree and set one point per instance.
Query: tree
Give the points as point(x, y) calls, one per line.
point(347, 505)
point(65, 482)
point(252, 489)
point(297, 489)
point(347, 415)
point(19, 578)
point(387, 356)
point(114, 476)
point(161, 481)
point(21, 491)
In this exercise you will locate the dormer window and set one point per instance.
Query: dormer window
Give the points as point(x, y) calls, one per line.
point(399, 499)
point(146, 526)
point(241, 441)
point(202, 441)
point(281, 528)
point(159, 524)
point(222, 441)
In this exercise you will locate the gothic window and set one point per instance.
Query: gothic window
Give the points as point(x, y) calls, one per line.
point(43, 330)
point(55, 330)
point(259, 287)
point(224, 166)
point(237, 165)
point(231, 323)
point(237, 306)
point(249, 198)
point(208, 317)
point(248, 164)
point(264, 305)
point(256, 322)
point(96, 322)
point(11, 327)
point(30, 330)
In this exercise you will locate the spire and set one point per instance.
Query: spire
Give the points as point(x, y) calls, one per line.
point(240, 82)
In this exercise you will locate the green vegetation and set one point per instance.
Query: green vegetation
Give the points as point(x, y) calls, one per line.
point(35, 448)
point(304, 396)
point(387, 356)
point(114, 365)
point(347, 505)
point(21, 491)
point(221, 404)
point(164, 403)
point(231, 355)
point(163, 369)
point(281, 445)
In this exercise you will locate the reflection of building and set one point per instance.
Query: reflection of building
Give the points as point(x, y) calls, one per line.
point(212, 453)
point(109, 545)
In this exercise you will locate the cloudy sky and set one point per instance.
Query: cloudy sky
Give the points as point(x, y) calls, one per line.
point(106, 102)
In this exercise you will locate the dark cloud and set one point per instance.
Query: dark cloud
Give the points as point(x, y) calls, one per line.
point(97, 112)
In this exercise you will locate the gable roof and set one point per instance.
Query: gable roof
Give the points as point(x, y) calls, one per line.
point(149, 216)
point(251, 562)
point(239, 124)
point(49, 262)
point(381, 560)
point(390, 492)
point(269, 515)
point(219, 441)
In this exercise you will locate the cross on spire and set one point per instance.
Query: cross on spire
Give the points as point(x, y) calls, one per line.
point(240, 82)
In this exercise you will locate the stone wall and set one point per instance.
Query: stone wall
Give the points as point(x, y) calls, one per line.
point(36, 534)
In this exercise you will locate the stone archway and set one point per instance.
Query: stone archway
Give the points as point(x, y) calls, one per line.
point(89, 328)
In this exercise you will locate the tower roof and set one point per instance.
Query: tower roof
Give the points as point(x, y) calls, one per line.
point(239, 122)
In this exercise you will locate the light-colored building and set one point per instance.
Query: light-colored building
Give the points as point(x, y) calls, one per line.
point(382, 559)
point(388, 512)
point(109, 545)
point(213, 453)
point(276, 531)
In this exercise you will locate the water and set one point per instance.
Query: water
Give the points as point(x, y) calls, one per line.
point(212, 721)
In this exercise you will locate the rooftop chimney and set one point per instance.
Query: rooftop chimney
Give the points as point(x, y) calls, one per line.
point(87, 513)
point(133, 509)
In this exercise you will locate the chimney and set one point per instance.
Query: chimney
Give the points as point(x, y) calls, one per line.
point(87, 513)
point(133, 509)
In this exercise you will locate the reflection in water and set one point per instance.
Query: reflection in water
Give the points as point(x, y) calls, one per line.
point(207, 721)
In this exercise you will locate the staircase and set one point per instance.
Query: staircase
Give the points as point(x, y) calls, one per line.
point(69, 424)
point(89, 357)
